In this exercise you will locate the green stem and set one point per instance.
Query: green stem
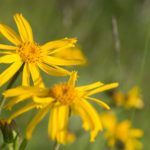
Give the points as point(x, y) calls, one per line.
point(9, 146)
point(144, 58)
point(3, 146)
point(16, 142)
point(133, 113)
point(2, 104)
point(117, 47)
point(142, 68)
point(23, 144)
point(56, 146)
point(3, 99)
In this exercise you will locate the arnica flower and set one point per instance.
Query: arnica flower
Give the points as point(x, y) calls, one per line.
point(121, 135)
point(61, 100)
point(26, 52)
point(130, 100)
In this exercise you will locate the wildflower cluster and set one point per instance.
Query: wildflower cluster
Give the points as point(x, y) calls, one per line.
point(130, 100)
point(62, 99)
point(121, 135)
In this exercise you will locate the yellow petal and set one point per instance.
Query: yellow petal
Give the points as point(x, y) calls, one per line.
point(58, 125)
point(108, 117)
point(16, 100)
point(21, 111)
point(139, 104)
point(9, 72)
point(73, 78)
point(51, 60)
point(134, 98)
point(119, 98)
point(53, 123)
point(43, 100)
point(7, 47)
point(10, 34)
point(6, 53)
point(24, 28)
point(63, 117)
point(9, 58)
point(72, 53)
point(26, 75)
point(99, 102)
point(61, 69)
point(70, 137)
point(136, 133)
point(65, 137)
point(53, 70)
point(133, 144)
point(55, 46)
point(90, 118)
point(103, 88)
point(123, 129)
point(36, 77)
point(90, 86)
point(34, 91)
point(37, 118)
point(86, 120)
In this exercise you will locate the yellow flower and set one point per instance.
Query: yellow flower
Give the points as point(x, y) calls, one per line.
point(121, 135)
point(32, 56)
point(130, 100)
point(62, 99)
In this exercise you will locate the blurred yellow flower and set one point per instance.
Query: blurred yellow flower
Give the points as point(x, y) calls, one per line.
point(121, 135)
point(62, 99)
point(32, 56)
point(130, 100)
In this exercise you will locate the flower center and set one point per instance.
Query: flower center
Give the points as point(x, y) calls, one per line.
point(29, 52)
point(64, 93)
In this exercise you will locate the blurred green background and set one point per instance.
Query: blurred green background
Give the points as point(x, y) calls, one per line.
point(90, 21)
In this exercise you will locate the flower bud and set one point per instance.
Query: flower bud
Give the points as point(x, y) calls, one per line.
point(9, 130)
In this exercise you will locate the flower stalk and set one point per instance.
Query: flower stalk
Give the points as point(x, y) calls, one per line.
point(56, 146)
point(23, 144)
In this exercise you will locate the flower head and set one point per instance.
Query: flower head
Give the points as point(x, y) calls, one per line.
point(121, 135)
point(61, 100)
point(130, 100)
point(32, 56)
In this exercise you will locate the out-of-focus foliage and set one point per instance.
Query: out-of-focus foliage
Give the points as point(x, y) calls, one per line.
point(91, 22)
